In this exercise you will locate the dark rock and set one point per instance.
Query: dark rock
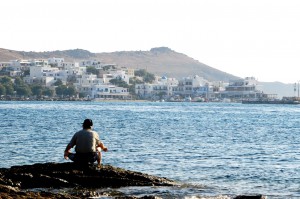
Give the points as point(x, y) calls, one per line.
point(81, 181)
point(70, 175)
point(250, 197)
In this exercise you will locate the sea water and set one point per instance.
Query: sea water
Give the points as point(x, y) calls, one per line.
point(212, 149)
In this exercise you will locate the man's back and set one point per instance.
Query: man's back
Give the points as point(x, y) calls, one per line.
point(85, 140)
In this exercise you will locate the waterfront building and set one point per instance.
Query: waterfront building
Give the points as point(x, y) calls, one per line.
point(98, 88)
point(194, 86)
point(94, 88)
point(107, 91)
point(242, 89)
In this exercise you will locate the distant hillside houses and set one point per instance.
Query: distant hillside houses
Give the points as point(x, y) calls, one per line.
point(197, 88)
point(98, 86)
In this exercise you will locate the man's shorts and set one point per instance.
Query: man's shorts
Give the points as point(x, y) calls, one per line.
point(83, 157)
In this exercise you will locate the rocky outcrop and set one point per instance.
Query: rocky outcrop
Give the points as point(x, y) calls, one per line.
point(71, 181)
point(15, 180)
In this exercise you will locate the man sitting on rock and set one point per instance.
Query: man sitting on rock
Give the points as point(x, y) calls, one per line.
point(86, 141)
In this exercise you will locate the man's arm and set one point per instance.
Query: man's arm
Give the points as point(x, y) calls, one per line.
point(67, 151)
point(70, 145)
point(101, 145)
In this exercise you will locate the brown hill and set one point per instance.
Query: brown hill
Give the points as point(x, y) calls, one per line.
point(160, 61)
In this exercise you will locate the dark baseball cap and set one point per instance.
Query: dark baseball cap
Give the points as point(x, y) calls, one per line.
point(88, 122)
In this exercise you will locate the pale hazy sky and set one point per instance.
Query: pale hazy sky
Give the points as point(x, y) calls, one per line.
point(259, 38)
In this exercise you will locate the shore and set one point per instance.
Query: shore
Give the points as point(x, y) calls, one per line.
point(68, 180)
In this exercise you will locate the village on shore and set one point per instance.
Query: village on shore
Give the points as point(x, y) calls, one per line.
point(56, 79)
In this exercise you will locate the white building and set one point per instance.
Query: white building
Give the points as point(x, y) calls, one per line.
point(242, 89)
point(39, 62)
point(114, 74)
point(45, 75)
point(162, 86)
point(107, 91)
point(87, 79)
point(195, 86)
point(85, 63)
point(56, 62)
point(95, 88)
point(16, 67)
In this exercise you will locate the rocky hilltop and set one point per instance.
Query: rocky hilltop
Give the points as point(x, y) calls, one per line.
point(160, 61)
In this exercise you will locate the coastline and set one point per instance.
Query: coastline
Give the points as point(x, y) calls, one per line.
point(72, 181)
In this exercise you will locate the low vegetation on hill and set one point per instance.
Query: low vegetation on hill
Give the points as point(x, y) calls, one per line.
point(159, 61)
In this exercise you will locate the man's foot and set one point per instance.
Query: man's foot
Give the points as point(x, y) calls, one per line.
point(99, 166)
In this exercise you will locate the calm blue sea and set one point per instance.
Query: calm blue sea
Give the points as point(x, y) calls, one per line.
point(211, 148)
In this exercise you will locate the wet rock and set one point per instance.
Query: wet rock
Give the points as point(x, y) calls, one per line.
point(70, 175)
point(250, 197)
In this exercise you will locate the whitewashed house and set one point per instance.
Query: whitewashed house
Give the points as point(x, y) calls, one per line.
point(56, 62)
point(114, 74)
point(194, 86)
point(84, 82)
point(95, 88)
point(108, 91)
point(162, 86)
point(45, 75)
point(17, 67)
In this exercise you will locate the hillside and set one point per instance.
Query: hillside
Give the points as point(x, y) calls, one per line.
point(160, 61)
point(164, 61)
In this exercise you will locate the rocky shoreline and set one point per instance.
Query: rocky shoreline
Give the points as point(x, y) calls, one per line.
point(68, 180)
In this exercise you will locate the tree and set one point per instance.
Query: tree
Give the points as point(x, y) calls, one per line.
point(147, 77)
point(19, 82)
point(64, 90)
point(132, 89)
point(92, 69)
point(37, 90)
point(134, 81)
point(26, 72)
point(23, 90)
point(9, 89)
point(140, 73)
point(48, 92)
point(58, 83)
point(5, 80)
point(119, 82)
point(71, 90)
point(2, 90)
point(60, 90)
